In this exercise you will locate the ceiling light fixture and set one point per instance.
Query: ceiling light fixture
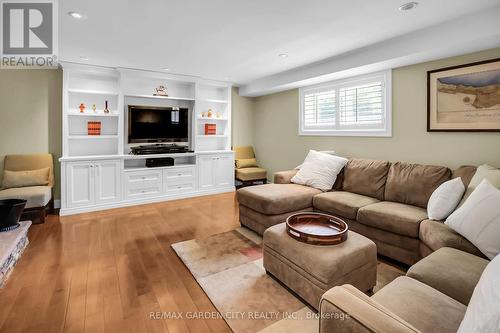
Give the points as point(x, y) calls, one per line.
point(283, 55)
point(84, 58)
point(78, 16)
point(166, 69)
point(408, 6)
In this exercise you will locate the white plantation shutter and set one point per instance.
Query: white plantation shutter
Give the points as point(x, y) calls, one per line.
point(361, 105)
point(319, 109)
point(357, 106)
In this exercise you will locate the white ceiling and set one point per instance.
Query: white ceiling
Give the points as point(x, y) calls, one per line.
point(237, 40)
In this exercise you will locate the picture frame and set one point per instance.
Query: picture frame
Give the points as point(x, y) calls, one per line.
point(464, 98)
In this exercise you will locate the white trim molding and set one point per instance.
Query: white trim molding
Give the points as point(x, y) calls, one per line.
point(385, 130)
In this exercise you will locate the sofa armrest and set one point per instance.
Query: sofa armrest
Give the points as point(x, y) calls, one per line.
point(284, 177)
point(346, 309)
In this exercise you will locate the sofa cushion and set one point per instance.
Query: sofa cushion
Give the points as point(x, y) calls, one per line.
point(276, 198)
point(393, 216)
point(436, 234)
point(413, 184)
point(366, 177)
point(344, 204)
point(422, 306)
point(284, 177)
point(451, 271)
point(465, 172)
point(259, 222)
point(250, 174)
point(36, 196)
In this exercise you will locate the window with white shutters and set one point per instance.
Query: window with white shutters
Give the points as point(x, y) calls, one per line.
point(352, 107)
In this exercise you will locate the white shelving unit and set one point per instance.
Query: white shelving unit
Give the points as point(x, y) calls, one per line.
point(217, 97)
point(98, 172)
point(90, 86)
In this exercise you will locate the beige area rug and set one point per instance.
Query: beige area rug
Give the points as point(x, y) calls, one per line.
point(228, 267)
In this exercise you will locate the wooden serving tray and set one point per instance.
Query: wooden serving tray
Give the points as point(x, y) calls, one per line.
point(316, 228)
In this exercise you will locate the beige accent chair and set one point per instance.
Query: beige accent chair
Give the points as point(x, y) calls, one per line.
point(39, 198)
point(248, 174)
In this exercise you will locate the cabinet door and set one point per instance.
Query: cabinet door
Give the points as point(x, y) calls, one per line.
point(206, 169)
point(107, 181)
point(80, 184)
point(224, 170)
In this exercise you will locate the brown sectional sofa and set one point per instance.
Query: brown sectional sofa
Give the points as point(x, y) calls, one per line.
point(383, 201)
point(431, 298)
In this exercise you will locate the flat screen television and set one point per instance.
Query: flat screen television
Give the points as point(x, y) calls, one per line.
point(157, 124)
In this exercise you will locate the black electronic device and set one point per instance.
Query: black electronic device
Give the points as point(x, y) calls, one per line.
point(159, 162)
point(159, 149)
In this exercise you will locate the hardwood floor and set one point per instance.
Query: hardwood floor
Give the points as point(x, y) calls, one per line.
point(107, 271)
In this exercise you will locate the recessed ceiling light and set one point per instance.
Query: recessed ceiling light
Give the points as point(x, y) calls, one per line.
point(166, 69)
point(77, 15)
point(408, 6)
point(84, 58)
point(283, 55)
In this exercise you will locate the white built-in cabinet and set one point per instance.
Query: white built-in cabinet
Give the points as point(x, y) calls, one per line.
point(98, 172)
point(92, 182)
point(216, 171)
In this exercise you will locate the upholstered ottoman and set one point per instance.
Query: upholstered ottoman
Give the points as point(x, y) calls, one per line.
point(266, 205)
point(311, 270)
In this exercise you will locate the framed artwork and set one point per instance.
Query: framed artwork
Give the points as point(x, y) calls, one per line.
point(464, 98)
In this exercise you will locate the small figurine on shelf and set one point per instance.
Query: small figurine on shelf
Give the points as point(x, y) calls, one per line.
point(203, 115)
point(160, 91)
point(82, 107)
point(93, 108)
point(209, 113)
point(218, 115)
point(106, 110)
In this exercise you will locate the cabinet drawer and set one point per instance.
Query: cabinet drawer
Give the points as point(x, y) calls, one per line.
point(143, 184)
point(143, 179)
point(143, 192)
point(182, 186)
point(176, 174)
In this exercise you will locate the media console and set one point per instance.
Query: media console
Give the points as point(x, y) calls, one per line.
point(110, 182)
point(99, 172)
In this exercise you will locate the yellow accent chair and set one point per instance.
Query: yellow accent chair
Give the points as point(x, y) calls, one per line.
point(247, 170)
point(31, 177)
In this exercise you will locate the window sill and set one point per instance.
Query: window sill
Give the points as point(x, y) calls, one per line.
point(360, 133)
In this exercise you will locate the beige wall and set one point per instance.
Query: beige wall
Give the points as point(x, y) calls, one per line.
point(242, 119)
point(279, 147)
point(30, 114)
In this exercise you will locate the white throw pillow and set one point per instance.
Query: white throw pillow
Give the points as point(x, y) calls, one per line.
point(319, 170)
point(483, 312)
point(310, 156)
point(484, 171)
point(445, 199)
point(478, 219)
